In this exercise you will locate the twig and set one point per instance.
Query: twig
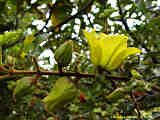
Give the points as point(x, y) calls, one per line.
point(80, 75)
point(122, 16)
point(51, 113)
point(34, 81)
point(36, 63)
point(47, 21)
point(90, 21)
point(83, 10)
point(136, 106)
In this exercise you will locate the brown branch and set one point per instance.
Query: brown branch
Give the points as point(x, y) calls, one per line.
point(122, 16)
point(136, 106)
point(80, 75)
point(51, 113)
point(47, 21)
point(36, 63)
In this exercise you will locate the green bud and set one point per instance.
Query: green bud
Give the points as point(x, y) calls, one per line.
point(116, 95)
point(136, 74)
point(63, 55)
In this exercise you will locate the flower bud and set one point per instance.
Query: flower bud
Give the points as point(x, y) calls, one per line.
point(63, 55)
point(116, 95)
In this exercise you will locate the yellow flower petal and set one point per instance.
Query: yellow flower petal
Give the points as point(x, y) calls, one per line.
point(110, 45)
point(118, 58)
point(103, 35)
point(90, 36)
point(95, 48)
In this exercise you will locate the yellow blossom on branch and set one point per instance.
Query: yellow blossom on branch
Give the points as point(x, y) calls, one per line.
point(108, 51)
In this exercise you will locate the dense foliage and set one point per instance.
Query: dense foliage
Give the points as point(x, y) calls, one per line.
point(36, 86)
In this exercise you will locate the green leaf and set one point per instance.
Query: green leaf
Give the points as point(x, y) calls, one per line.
point(28, 40)
point(62, 93)
point(107, 12)
point(23, 87)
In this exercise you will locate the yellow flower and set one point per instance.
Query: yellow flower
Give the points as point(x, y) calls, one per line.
point(108, 51)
